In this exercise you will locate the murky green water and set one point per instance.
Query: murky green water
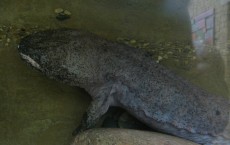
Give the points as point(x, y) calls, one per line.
point(37, 111)
point(34, 109)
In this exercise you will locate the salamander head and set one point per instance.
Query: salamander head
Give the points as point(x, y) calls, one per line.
point(63, 54)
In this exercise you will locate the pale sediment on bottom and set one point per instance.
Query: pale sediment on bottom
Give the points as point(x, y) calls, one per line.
point(107, 136)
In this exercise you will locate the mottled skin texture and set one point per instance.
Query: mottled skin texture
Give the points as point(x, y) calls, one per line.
point(118, 75)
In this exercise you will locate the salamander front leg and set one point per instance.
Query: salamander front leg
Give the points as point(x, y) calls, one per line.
point(96, 110)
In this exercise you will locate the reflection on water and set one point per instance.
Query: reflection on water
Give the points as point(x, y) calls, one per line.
point(209, 22)
point(35, 110)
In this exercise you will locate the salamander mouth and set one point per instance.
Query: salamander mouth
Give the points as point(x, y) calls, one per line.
point(30, 61)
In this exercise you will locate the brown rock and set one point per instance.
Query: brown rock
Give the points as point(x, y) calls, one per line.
point(102, 136)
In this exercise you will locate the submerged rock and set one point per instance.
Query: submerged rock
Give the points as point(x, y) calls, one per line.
point(58, 10)
point(62, 14)
point(102, 136)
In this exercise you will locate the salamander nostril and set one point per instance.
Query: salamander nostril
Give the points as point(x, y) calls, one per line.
point(24, 45)
point(21, 48)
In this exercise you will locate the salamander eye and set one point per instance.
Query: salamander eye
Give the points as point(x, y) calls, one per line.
point(217, 112)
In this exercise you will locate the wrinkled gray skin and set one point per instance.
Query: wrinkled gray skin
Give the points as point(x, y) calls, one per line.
point(118, 75)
